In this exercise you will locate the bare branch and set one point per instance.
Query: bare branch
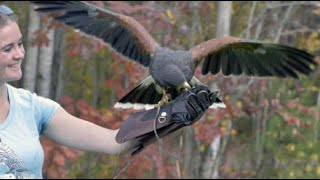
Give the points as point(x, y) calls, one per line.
point(283, 23)
point(317, 119)
point(249, 24)
point(270, 6)
point(294, 3)
point(300, 30)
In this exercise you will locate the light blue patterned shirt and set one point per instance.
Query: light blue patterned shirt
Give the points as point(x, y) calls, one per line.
point(21, 154)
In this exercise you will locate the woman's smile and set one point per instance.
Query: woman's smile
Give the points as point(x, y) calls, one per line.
point(15, 66)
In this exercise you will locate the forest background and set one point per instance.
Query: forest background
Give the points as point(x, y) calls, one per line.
point(270, 128)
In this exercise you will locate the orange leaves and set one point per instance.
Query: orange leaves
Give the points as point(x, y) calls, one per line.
point(106, 117)
point(67, 102)
point(42, 33)
point(41, 37)
point(125, 8)
point(301, 108)
point(231, 110)
point(291, 120)
point(296, 122)
point(84, 46)
point(56, 159)
point(140, 165)
point(97, 46)
point(206, 129)
point(153, 161)
point(59, 159)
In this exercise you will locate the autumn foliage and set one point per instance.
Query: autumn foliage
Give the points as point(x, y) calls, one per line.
point(272, 124)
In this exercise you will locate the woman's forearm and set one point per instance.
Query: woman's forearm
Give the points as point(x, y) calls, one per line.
point(83, 135)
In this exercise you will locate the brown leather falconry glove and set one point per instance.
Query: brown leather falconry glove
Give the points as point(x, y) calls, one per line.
point(185, 110)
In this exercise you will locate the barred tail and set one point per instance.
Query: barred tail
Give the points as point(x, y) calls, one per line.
point(144, 96)
point(147, 94)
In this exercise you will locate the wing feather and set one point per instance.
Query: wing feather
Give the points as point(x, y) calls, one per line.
point(123, 33)
point(231, 55)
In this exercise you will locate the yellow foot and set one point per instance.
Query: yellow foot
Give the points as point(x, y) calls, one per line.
point(164, 100)
point(185, 87)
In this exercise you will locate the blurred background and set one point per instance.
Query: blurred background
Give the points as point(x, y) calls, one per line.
point(270, 128)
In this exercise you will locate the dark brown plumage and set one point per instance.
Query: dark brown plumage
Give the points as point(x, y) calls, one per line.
point(172, 70)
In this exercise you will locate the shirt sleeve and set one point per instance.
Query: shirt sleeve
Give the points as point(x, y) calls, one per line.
point(44, 111)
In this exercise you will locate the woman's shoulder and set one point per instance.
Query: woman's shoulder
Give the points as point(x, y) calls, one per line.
point(26, 97)
point(21, 94)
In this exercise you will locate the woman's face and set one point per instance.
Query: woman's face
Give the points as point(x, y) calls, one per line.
point(11, 52)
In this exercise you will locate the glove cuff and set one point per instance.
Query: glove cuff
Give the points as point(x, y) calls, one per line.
point(141, 123)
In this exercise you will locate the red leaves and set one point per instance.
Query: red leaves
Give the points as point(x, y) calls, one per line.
point(67, 102)
point(291, 120)
point(41, 38)
point(301, 108)
point(59, 160)
point(56, 159)
point(125, 8)
point(206, 129)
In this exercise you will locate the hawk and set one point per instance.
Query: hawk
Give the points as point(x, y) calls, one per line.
point(172, 71)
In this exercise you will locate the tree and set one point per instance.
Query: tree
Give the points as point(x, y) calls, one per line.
point(268, 130)
point(213, 155)
point(30, 66)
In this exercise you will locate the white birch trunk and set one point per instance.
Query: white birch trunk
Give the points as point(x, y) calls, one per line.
point(30, 63)
point(45, 66)
point(212, 160)
point(224, 9)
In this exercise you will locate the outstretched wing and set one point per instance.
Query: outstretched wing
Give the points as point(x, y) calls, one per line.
point(123, 33)
point(236, 56)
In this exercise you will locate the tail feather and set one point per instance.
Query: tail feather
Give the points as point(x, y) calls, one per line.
point(217, 104)
point(147, 94)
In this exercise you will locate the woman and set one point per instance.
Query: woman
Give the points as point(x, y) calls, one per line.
point(24, 116)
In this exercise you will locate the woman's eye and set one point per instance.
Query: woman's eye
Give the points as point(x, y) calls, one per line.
point(8, 49)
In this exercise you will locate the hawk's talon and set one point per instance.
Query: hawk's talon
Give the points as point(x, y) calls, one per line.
point(164, 100)
point(185, 87)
